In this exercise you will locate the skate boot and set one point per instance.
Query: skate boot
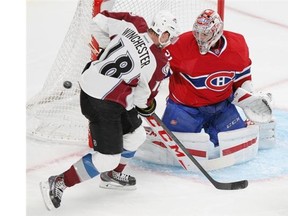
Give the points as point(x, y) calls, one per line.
point(52, 191)
point(116, 180)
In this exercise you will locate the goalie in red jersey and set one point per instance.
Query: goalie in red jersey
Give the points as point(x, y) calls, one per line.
point(211, 74)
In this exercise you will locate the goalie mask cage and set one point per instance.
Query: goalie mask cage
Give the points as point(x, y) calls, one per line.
point(54, 113)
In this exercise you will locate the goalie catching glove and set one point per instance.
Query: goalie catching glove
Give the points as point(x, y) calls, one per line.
point(148, 111)
point(256, 106)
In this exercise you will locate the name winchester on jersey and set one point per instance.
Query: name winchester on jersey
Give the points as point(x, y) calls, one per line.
point(131, 66)
point(140, 46)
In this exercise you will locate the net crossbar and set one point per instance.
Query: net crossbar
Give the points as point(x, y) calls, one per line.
point(54, 113)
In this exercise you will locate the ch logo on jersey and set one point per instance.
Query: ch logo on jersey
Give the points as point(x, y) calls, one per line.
point(220, 80)
point(217, 81)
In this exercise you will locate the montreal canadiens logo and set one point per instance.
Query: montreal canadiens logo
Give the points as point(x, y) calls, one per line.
point(220, 80)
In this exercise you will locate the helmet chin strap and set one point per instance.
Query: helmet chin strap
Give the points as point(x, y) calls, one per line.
point(204, 49)
point(161, 45)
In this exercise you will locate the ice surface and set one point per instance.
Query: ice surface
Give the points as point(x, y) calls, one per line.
point(164, 190)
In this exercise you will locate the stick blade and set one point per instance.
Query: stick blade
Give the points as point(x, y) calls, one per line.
point(239, 185)
point(231, 186)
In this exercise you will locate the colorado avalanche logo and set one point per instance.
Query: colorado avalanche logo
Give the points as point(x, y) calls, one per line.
point(220, 80)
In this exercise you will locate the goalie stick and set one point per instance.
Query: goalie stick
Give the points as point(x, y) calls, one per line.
point(183, 156)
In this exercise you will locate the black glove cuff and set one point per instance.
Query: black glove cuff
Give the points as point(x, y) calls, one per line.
point(146, 112)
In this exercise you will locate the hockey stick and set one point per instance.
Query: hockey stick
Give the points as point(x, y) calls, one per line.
point(183, 156)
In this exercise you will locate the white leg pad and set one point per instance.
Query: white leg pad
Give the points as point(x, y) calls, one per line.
point(198, 144)
point(267, 135)
point(243, 143)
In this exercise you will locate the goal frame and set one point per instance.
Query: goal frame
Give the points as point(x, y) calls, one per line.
point(54, 113)
point(97, 9)
point(220, 7)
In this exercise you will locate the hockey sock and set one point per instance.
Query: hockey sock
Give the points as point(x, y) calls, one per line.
point(82, 170)
point(70, 177)
point(125, 157)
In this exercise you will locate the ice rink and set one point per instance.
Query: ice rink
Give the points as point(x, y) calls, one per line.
point(164, 190)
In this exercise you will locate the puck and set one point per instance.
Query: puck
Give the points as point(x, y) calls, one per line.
point(67, 84)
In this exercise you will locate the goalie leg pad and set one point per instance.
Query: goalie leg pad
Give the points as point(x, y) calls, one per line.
point(267, 135)
point(242, 143)
point(198, 144)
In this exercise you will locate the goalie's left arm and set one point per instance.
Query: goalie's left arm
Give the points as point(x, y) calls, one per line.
point(256, 105)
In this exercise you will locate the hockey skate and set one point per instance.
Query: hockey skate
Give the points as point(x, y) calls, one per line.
point(52, 191)
point(116, 180)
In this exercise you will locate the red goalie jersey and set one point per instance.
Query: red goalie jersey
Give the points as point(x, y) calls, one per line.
point(199, 80)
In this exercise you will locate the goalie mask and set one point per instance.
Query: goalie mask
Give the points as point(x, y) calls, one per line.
point(163, 22)
point(207, 30)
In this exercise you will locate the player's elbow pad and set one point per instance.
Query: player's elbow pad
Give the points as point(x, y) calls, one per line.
point(146, 112)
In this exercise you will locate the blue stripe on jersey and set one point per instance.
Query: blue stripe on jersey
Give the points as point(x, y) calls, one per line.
point(225, 77)
point(89, 166)
point(196, 82)
point(242, 74)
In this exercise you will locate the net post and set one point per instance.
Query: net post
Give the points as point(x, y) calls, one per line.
point(96, 7)
point(220, 8)
point(94, 44)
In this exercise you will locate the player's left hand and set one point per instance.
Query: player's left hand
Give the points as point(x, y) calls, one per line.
point(146, 112)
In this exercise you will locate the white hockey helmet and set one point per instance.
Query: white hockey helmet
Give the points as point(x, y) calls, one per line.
point(207, 30)
point(164, 21)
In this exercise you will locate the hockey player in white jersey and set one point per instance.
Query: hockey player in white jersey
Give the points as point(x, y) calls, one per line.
point(114, 89)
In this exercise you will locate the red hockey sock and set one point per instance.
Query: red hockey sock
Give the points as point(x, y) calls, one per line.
point(70, 177)
point(120, 167)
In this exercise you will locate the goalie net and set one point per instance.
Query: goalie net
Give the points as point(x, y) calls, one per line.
point(54, 113)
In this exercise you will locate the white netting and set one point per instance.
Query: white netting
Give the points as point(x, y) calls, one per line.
point(54, 113)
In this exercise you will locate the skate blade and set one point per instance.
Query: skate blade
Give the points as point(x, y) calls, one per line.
point(44, 187)
point(115, 186)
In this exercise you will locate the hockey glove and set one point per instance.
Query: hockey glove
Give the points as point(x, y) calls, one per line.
point(146, 112)
point(256, 106)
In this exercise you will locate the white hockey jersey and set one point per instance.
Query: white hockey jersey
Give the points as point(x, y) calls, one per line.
point(131, 68)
